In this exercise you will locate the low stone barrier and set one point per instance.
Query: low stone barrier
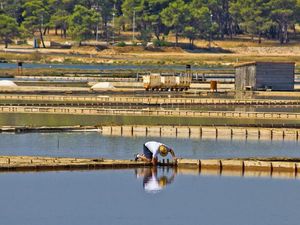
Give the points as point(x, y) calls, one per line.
point(150, 112)
point(204, 132)
point(153, 100)
point(275, 167)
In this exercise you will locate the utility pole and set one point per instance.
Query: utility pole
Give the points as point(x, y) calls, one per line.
point(42, 22)
point(97, 33)
point(210, 32)
point(133, 26)
point(96, 8)
point(113, 31)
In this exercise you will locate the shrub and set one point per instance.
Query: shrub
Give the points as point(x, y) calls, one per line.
point(160, 43)
point(121, 44)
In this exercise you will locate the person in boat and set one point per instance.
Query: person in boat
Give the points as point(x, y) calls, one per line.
point(152, 149)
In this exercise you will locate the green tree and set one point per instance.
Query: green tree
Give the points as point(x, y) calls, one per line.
point(83, 23)
point(133, 10)
point(202, 22)
point(105, 8)
point(120, 24)
point(256, 16)
point(36, 18)
point(147, 16)
point(283, 13)
point(220, 13)
point(151, 16)
point(13, 8)
point(235, 17)
point(60, 20)
point(59, 15)
point(175, 16)
point(8, 29)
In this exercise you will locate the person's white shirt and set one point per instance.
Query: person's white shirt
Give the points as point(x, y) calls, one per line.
point(153, 147)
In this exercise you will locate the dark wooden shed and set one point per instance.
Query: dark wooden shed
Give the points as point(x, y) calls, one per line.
point(277, 76)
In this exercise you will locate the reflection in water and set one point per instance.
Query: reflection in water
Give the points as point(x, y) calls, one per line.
point(154, 181)
point(115, 197)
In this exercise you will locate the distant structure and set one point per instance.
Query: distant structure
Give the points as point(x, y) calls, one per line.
point(155, 81)
point(277, 76)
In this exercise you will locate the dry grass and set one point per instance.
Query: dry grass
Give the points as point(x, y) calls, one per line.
point(242, 50)
point(142, 58)
point(236, 41)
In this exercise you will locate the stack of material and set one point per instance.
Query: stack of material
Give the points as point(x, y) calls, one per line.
point(7, 83)
point(102, 85)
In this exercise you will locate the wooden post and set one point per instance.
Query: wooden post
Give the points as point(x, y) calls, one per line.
point(200, 132)
point(272, 134)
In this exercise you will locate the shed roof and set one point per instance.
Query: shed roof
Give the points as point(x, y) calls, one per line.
point(260, 62)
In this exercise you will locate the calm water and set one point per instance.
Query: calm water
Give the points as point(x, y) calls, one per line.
point(119, 197)
point(143, 196)
point(95, 145)
point(37, 120)
point(103, 66)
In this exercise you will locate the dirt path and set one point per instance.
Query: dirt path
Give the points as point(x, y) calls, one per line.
point(169, 56)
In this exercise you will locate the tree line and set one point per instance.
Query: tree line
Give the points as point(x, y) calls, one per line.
point(150, 19)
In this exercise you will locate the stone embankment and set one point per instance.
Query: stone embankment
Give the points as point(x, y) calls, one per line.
point(153, 100)
point(193, 132)
point(282, 167)
point(150, 112)
point(204, 132)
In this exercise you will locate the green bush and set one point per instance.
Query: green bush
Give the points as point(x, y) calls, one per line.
point(121, 44)
point(160, 43)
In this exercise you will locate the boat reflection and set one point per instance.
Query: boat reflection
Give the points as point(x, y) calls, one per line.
point(155, 180)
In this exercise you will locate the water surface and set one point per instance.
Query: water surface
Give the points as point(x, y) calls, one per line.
point(94, 144)
point(38, 120)
point(118, 197)
point(143, 196)
point(103, 66)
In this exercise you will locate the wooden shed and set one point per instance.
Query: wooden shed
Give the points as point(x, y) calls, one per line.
point(277, 76)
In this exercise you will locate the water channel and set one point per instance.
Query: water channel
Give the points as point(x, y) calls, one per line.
point(103, 67)
point(116, 197)
point(120, 197)
point(93, 144)
point(143, 196)
point(37, 120)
